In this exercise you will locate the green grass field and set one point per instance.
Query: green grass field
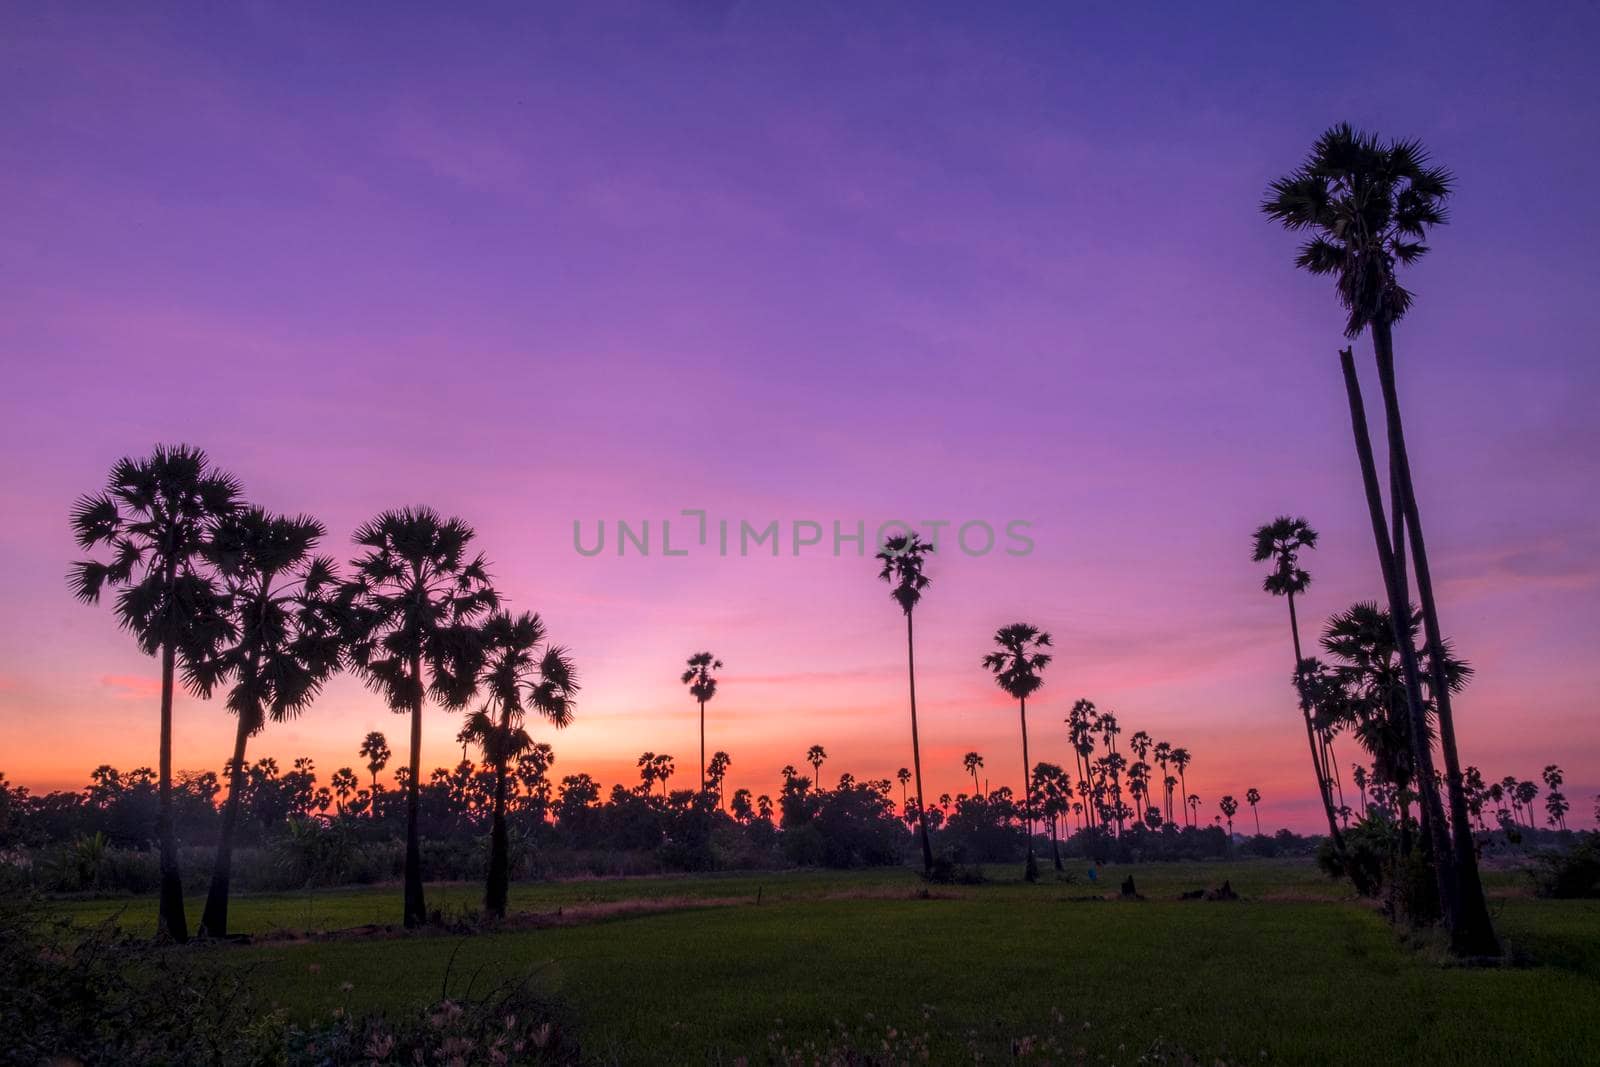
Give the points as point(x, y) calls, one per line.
point(1294, 972)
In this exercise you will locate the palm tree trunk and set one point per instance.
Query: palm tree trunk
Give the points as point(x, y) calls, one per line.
point(1316, 760)
point(1474, 933)
point(1400, 611)
point(1183, 784)
point(416, 909)
point(494, 900)
point(702, 746)
point(170, 921)
point(1055, 845)
point(214, 920)
point(1031, 870)
point(1254, 811)
point(916, 751)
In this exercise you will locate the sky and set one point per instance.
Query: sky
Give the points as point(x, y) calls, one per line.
point(543, 264)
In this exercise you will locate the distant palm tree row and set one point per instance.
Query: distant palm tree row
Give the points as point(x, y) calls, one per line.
point(1367, 207)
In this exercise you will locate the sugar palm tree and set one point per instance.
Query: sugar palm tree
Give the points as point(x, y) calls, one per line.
point(1252, 796)
point(903, 559)
point(1280, 542)
point(522, 672)
point(1017, 663)
point(903, 776)
point(973, 763)
point(1180, 762)
point(345, 783)
point(375, 750)
point(702, 686)
point(816, 755)
point(287, 640)
point(1368, 206)
point(414, 606)
point(154, 516)
point(1162, 751)
point(1050, 783)
point(1229, 808)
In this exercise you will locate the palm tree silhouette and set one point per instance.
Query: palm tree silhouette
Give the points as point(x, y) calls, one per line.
point(816, 755)
point(522, 672)
point(702, 686)
point(903, 776)
point(155, 515)
point(1163, 754)
point(375, 750)
point(1369, 206)
point(1280, 542)
point(662, 768)
point(1252, 797)
point(1229, 808)
point(1180, 760)
point(414, 607)
point(287, 641)
point(345, 783)
point(903, 559)
point(972, 762)
point(1016, 664)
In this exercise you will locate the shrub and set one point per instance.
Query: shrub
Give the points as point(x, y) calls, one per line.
point(1571, 874)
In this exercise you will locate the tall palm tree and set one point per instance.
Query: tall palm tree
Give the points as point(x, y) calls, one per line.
point(903, 776)
point(1162, 751)
point(1180, 761)
point(414, 607)
point(973, 763)
point(154, 516)
point(522, 672)
point(1017, 663)
point(903, 559)
point(1280, 542)
point(1368, 206)
point(1252, 796)
point(375, 750)
point(702, 686)
point(287, 641)
point(816, 755)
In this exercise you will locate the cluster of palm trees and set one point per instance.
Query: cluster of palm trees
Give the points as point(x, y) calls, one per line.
point(1367, 207)
point(234, 599)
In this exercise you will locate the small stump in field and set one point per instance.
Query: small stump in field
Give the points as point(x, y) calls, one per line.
point(1223, 892)
point(1128, 890)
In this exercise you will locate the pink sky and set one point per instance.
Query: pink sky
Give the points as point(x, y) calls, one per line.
point(802, 263)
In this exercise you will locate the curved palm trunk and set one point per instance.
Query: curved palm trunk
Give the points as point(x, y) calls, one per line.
point(1031, 870)
point(214, 920)
point(1399, 610)
point(1183, 787)
point(916, 751)
point(170, 921)
point(416, 909)
point(1474, 930)
point(1257, 814)
point(1311, 738)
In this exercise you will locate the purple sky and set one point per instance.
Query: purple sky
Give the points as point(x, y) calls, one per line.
point(805, 262)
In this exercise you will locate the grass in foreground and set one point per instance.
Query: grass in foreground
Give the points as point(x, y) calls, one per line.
point(1293, 972)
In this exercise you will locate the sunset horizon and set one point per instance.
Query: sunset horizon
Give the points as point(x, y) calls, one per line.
point(971, 456)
